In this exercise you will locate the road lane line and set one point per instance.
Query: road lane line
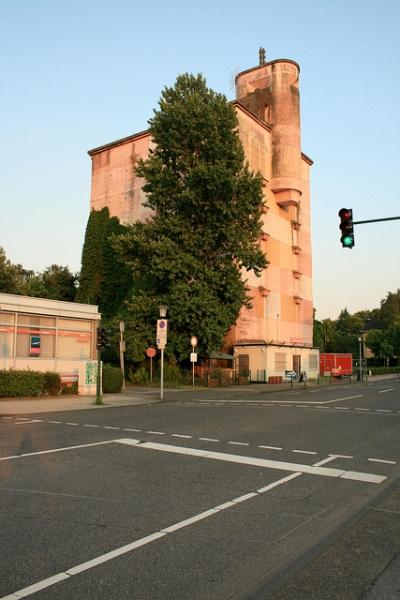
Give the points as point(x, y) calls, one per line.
point(340, 456)
point(45, 583)
point(304, 452)
point(156, 432)
point(109, 427)
point(59, 450)
point(271, 447)
point(384, 391)
point(258, 462)
point(239, 443)
point(208, 439)
point(181, 435)
point(383, 410)
point(379, 460)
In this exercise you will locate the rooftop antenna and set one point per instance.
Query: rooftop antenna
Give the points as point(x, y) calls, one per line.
point(261, 55)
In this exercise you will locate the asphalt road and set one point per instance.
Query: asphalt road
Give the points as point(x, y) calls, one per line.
point(287, 495)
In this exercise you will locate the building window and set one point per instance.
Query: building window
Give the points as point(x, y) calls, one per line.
point(74, 338)
point(313, 362)
point(280, 362)
point(7, 321)
point(35, 336)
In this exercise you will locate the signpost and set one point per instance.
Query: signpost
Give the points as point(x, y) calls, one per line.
point(162, 327)
point(121, 352)
point(193, 355)
point(151, 352)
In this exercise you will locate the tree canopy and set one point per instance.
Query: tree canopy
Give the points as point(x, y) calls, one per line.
point(204, 232)
point(104, 279)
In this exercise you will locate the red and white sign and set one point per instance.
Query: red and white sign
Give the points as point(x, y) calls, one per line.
point(151, 352)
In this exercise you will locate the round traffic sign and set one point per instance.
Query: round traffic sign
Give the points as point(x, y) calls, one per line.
point(193, 340)
point(151, 352)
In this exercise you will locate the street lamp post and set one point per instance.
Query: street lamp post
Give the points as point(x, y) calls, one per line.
point(360, 342)
point(162, 325)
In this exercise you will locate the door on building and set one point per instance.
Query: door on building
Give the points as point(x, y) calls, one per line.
point(243, 365)
point(297, 364)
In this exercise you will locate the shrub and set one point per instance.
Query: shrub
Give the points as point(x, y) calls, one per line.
point(112, 379)
point(52, 383)
point(172, 374)
point(15, 383)
point(70, 390)
point(140, 376)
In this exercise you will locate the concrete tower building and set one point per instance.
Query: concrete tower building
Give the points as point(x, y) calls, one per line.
point(276, 333)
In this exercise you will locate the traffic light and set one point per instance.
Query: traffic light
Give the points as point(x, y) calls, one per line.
point(346, 227)
point(102, 338)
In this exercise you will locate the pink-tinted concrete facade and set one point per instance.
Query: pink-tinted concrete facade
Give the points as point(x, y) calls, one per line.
point(276, 333)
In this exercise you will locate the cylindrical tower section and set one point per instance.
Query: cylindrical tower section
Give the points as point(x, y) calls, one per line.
point(271, 92)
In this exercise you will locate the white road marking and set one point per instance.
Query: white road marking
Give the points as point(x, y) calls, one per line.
point(304, 452)
point(239, 443)
point(341, 407)
point(45, 583)
point(208, 439)
point(76, 424)
point(180, 435)
point(55, 422)
point(383, 410)
point(128, 429)
point(384, 391)
point(88, 425)
point(109, 427)
point(156, 432)
point(365, 409)
point(316, 402)
point(379, 460)
point(270, 447)
point(257, 462)
point(57, 450)
point(25, 423)
point(340, 456)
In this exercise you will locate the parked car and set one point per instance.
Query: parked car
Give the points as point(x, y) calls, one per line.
point(290, 376)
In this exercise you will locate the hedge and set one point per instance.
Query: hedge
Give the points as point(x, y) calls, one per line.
point(112, 379)
point(14, 383)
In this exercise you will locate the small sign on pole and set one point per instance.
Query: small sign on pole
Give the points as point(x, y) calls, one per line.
point(193, 355)
point(162, 326)
point(151, 352)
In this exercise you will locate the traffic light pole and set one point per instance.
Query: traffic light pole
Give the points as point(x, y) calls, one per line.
point(375, 220)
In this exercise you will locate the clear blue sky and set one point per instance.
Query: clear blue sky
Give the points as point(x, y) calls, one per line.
point(82, 73)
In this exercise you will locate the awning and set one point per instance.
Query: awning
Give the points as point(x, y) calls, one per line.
point(221, 355)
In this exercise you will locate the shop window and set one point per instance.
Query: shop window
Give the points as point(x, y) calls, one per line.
point(6, 333)
point(35, 342)
point(74, 344)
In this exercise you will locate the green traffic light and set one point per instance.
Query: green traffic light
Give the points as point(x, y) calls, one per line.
point(348, 241)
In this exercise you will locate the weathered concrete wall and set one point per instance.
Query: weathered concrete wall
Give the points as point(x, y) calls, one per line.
point(114, 181)
point(268, 110)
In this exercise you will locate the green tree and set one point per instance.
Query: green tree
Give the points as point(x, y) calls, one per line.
point(92, 264)
point(205, 229)
point(390, 309)
point(59, 283)
point(8, 275)
point(104, 279)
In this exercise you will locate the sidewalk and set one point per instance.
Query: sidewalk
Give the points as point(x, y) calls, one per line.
point(143, 395)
